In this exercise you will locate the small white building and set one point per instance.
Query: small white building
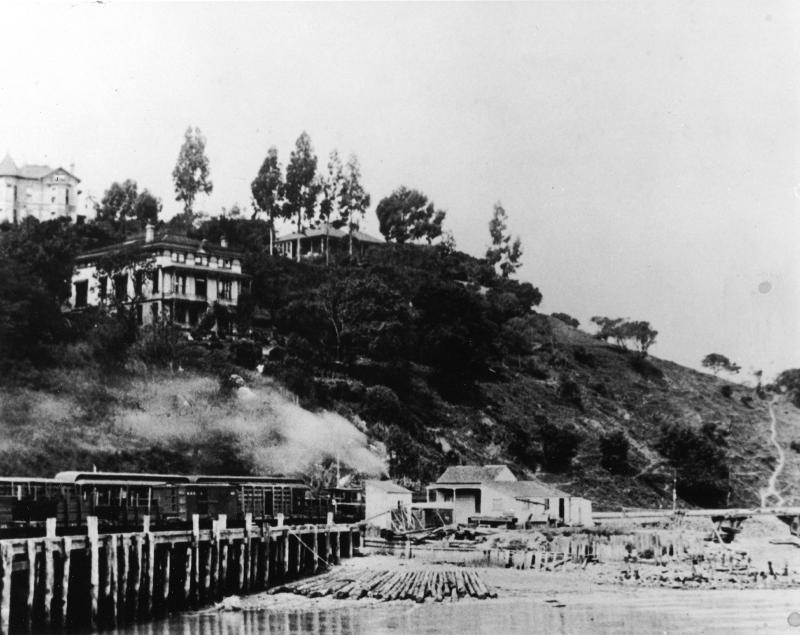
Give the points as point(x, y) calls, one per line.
point(494, 491)
point(381, 498)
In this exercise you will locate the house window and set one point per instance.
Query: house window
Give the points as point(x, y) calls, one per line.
point(200, 287)
point(180, 283)
point(154, 312)
point(226, 263)
point(156, 273)
point(138, 281)
point(81, 292)
point(121, 287)
point(224, 289)
point(102, 287)
point(178, 257)
point(139, 314)
point(180, 314)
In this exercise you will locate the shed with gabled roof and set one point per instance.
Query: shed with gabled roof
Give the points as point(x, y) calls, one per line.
point(493, 490)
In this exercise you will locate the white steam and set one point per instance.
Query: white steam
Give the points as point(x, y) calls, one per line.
point(278, 435)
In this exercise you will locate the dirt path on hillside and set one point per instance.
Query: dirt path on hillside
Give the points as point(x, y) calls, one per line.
point(771, 490)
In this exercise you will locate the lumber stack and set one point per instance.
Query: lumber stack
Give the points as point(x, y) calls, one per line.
point(414, 584)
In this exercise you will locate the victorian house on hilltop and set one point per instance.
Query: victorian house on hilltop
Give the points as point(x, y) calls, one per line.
point(36, 190)
point(169, 277)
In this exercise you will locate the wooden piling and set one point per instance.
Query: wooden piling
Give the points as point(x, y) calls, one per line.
point(150, 549)
point(66, 550)
point(187, 576)
point(166, 566)
point(207, 595)
point(265, 555)
point(223, 576)
point(136, 573)
point(6, 559)
point(124, 576)
point(246, 556)
point(214, 588)
point(240, 566)
point(49, 581)
point(94, 568)
point(110, 587)
point(194, 561)
point(30, 556)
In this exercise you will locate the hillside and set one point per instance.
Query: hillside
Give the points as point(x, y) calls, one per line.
point(402, 362)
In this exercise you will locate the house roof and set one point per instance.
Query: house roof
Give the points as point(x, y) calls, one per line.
point(389, 487)
point(331, 232)
point(162, 239)
point(32, 172)
point(8, 167)
point(525, 489)
point(471, 473)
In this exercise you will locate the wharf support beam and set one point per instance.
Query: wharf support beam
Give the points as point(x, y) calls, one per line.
point(101, 581)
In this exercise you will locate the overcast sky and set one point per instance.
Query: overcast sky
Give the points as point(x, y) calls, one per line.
point(648, 154)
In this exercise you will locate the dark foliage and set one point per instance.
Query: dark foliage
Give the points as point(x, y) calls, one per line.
point(559, 446)
point(702, 471)
point(567, 319)
point(614, 448)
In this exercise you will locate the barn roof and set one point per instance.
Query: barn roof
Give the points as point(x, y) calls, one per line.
point(471, 473)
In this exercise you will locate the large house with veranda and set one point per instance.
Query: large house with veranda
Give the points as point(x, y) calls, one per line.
point(170, 277)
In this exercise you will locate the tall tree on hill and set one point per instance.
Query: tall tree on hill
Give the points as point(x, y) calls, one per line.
point(355, 199)
point(302, 187)
point(268, 190)
point(504, 252)
point(123, 208)
point(407, 215)
point(191, 174)
point(332, 187)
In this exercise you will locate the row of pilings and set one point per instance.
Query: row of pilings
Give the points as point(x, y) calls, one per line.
point(100, 581)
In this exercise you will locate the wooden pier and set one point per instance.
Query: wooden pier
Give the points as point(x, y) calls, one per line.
point(105, 580)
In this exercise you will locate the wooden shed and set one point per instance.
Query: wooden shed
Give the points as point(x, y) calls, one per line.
point(381, 497)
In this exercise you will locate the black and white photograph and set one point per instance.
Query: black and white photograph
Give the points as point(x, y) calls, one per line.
point(363, 318)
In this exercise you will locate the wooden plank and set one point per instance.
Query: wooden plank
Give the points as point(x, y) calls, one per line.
point(6, 558)
point(66, 560)
point(244, 554)
point(315, 549)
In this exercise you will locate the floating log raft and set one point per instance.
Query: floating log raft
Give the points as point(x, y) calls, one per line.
point(416, 584)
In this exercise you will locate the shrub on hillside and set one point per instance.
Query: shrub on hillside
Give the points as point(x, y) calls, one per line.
point(614, 448)
point(382, 404)
point(726, 391)
point(559, 446)
point(567, 319)
point(699, 462)
point(646, 368)
point(569, 391)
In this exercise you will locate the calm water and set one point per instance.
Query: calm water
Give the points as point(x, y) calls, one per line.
point(645, 611)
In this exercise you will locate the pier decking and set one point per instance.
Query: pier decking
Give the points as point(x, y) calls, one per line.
point(104, 580)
